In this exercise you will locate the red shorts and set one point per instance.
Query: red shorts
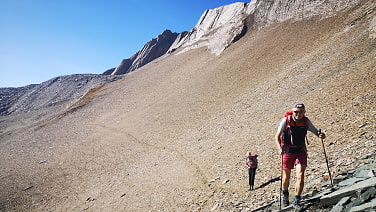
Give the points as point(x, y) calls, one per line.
point(289, 160)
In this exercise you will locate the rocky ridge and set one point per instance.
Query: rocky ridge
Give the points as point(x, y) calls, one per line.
point(50, 93)
point(9, 96)
point(218, 28)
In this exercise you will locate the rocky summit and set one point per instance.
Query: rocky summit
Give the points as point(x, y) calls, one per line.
point(150, 51)
point(172, 135)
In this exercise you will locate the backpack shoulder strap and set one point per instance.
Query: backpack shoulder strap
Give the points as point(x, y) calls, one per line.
point(289, 120)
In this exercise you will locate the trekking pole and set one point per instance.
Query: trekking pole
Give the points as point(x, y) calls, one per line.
point(280, 189)
point(326, 158)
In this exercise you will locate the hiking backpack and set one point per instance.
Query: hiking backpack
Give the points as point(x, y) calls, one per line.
point(252, 161)
point(295, 133)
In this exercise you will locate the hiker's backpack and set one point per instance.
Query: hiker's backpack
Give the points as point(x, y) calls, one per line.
point(252, 161)
point(295, 133)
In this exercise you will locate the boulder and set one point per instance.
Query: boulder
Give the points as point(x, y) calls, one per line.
point(334, 197)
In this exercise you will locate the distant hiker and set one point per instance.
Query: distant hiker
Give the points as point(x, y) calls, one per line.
point(252, 162)
point(290, 139)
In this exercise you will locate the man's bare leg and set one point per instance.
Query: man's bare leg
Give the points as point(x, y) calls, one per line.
point(286, 179)
point(299, 179)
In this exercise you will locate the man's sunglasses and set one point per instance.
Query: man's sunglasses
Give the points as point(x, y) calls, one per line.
point(299, 111)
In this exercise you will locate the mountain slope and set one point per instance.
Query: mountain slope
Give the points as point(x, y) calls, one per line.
point(156, 138)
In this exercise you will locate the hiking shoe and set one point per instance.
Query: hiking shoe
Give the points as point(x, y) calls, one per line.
point(285, 198)
point(296, 202)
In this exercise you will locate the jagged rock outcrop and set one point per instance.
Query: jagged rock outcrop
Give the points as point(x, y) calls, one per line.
point(151, 50)
point(216, 29)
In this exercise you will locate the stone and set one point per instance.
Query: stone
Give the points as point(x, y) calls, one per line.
point(29, 187)
point(334, 197)
point(365, 207)
point(214, 208)
point(371, 192)
point(362, 197)
point(350, 181)
point(339, 206)
point(340, 177)
point(364, 174)
point(226, 181)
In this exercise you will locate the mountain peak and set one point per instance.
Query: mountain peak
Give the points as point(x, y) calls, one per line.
point(153, 49)
point(216, 29)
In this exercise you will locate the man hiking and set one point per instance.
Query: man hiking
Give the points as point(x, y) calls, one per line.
point(290, 139)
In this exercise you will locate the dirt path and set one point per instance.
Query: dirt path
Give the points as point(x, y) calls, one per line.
point(138, 173)
point(156, 148)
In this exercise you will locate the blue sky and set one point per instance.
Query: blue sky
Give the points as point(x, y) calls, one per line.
point(42, 39)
